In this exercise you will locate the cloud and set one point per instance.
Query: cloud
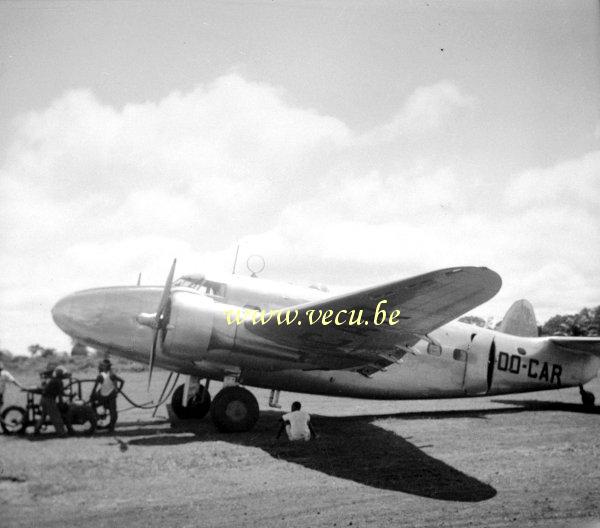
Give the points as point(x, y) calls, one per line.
point(428, 108)
point(573, 182)
point(92, 195)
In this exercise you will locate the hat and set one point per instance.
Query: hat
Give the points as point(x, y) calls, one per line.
point(50, 366)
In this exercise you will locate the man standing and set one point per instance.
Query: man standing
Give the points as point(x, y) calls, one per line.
point(5, 378)
point(110, 384)
point(51, 390)
point(297, 424)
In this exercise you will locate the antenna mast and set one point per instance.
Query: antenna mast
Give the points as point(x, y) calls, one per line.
point(235, 259)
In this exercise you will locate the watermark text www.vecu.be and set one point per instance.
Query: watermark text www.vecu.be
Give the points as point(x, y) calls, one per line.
point(293, 316)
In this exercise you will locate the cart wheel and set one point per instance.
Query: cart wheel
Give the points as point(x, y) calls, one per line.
point(102, 416)
point(13, 420)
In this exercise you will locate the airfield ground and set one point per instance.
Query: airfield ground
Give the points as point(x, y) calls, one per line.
point(525, 460)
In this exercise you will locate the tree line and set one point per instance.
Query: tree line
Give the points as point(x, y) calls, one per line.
point(585, 323)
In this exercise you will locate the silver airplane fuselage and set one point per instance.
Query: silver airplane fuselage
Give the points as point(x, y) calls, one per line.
point(456, 360)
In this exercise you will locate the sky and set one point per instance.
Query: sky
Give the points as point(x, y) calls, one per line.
point(347, 143)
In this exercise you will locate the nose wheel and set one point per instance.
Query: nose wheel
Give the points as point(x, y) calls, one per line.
point(234, 410)
point(197, 406)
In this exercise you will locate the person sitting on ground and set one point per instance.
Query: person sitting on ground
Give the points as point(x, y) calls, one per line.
point(297, 424)
point(6, 378)
point(110, 384)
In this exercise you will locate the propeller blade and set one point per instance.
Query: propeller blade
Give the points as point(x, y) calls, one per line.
point(166, 292)
point(159, 324)
point(152, 356)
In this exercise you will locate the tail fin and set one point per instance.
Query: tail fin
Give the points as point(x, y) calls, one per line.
point(520, 320)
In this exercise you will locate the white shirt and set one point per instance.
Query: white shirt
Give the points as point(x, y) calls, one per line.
point(5, 377)
point(108, 385)
point(298, 428)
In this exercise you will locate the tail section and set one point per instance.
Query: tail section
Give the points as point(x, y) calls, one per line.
point(520, 320)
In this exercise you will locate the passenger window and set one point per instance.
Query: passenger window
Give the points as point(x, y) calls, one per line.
point(522, 351)
point(459, 354)
point(434, 350)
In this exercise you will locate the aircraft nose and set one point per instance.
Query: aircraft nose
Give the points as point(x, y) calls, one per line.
point(79, 312)
point(61, 313)
point(106, 317)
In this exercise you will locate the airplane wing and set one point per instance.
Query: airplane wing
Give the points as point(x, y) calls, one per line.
point(586, 345)
point(426, 302)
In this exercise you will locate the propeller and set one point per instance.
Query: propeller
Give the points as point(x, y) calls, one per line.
point(158, 321)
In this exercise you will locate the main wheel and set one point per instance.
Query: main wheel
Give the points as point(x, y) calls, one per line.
point(13, 420)
point(234, 409)
point(197, 407)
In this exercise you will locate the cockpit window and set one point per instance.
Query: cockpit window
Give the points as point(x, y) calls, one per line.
point(202, 285)
point(215, 289)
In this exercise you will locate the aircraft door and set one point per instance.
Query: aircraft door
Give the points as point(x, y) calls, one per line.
point(479, 364)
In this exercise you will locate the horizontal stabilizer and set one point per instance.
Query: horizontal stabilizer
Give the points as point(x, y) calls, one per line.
point(587, 345)
point(520, 320)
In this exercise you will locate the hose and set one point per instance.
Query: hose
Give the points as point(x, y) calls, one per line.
point(146, 405)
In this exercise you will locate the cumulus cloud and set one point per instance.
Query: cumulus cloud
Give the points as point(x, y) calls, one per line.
point(573, 182)
point(91, 195)
point(428, 108)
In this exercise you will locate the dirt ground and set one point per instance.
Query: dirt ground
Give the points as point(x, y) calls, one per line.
point(524, 460)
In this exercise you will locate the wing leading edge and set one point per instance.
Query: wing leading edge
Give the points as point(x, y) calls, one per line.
point(426, 302)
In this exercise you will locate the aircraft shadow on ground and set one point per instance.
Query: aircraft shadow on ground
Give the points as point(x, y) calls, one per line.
point(541, 405)
point(350, 448)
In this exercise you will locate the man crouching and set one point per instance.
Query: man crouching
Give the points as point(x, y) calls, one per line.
point(297, 424)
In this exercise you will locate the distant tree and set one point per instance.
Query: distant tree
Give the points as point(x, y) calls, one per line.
point(473, 320)
point(44, 352)
point(586, 322)
point(34, 349)
point(48, 352)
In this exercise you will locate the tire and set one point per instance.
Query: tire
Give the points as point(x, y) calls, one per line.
point(13, 420)
point(196, 407)
point(102, 416)
point(234, 410)
point(82, 419)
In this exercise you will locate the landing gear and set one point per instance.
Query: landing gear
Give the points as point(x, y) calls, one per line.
point(234, 409)
point(587, 398)
point(197, 406)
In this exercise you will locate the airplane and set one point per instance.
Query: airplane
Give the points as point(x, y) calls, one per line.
point(187, 327)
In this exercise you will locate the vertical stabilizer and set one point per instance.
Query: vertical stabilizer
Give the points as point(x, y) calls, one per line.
point(520, 320)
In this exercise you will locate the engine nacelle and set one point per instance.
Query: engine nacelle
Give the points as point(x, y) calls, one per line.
point(193, 323)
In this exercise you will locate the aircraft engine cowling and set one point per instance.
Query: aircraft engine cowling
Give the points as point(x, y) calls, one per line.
point(190, 322)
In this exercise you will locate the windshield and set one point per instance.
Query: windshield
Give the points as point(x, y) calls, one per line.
point(201, 285)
